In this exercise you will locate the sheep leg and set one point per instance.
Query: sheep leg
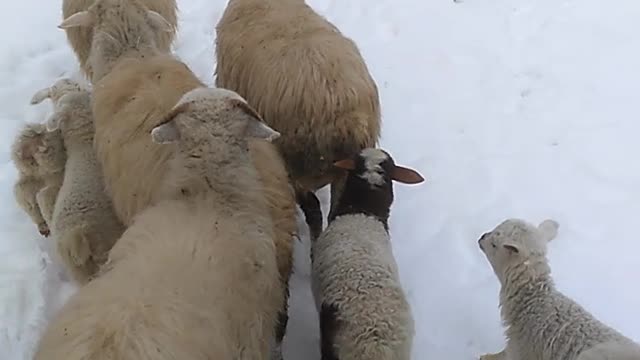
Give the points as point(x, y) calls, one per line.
point(46, 199)
point(328, 327)
point(502, 355)
point(281, 327)
point(74, 249)
point(25, 192)
point(310, 206)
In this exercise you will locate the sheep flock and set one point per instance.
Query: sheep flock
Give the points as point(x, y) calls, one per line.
point(173, 205)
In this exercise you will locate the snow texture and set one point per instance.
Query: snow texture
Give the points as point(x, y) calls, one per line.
point(510, 108)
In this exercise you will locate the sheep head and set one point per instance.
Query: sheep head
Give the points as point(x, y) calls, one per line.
point(515, 242)
point(212, 115)
point(124, 12)
point(377, 167)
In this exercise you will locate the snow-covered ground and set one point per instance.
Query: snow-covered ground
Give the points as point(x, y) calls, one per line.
point(523, 108)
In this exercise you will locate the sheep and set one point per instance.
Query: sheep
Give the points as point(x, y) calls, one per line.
point(542, 323)
point(363, 310)
point(195, 276)
point(39, 157)
point(119, 29)
point(84, 223)
point(133, 98)
point(81, 38)
point(308, 81)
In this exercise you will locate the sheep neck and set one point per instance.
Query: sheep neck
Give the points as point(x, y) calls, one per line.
point(360, 197)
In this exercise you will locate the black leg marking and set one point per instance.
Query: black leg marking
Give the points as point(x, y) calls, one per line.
point(329, 326)
point(310, 206)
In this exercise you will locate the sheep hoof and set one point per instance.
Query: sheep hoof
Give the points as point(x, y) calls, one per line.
point(43, 229)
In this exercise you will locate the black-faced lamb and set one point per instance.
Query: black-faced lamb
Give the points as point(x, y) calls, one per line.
point(134, 97)
point(308, 81)
point(195, 276)
point(364, 314)
point(84, 223)
point(81, 37)
point(542, 323)
point(39, 157)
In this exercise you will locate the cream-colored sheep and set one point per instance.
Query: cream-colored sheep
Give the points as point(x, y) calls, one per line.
point(364, 313)
point(195, 276)
point(120, 29)
point(542, 323)
point(84, 223)
point(39, 157)
point(308, 81)
point(134, 97)
point(81, 38)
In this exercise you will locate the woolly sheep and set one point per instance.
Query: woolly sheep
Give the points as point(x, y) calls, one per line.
point(132, 99)
point(364, 314)
point(39, 157)
point(542, 323)
point(117, 29)
point(308, 81)
point(84, 224)
point(81, 38)
point(195, 276)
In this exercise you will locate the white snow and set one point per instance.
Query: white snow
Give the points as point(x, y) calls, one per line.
point(524, 108)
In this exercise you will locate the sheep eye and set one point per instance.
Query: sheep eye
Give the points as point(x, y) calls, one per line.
point(493, 245)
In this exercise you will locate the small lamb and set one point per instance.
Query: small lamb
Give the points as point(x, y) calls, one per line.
point(542, 323)
point(84, 223)
point(364, 314)
point(40, 157)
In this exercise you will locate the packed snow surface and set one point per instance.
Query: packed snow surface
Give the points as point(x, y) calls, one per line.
point(510, 108)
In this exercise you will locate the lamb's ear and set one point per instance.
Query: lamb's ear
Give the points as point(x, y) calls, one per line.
point(39, 96)
point(53, 122)
point(512, 248)
point(255, 127)
point(79, 19)
point(159, 21)
point(406, 175)
point(345, 164)
point(166, 133)
point(548, 229)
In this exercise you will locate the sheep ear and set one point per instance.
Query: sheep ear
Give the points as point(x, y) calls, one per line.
point(79, 19)
point(549, 229)
point(256, 127)
point(159, 21)
point(166, 133)
point(406, 175)
point(39, 96)
point(53, 122)
point(513, 249)
point(346, 164)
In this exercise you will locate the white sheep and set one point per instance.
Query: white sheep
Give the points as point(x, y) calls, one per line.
point(308, 81)
point(101, 38)
point(364, 314)
point(542, 323)
point(39, 157)
point(135, 96)
point(195, 276)
point(84, 224)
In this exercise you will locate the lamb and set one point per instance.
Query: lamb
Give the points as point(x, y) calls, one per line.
point(134, 97)
point(39, 157)
point(81, 38)
point(542, 323)
point(195, 276)
point(84, 223)
point(308, 81)
point(364, 314)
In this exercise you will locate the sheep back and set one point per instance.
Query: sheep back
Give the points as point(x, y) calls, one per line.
point(305, 78)
point(363, 310)
point(80, 38)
